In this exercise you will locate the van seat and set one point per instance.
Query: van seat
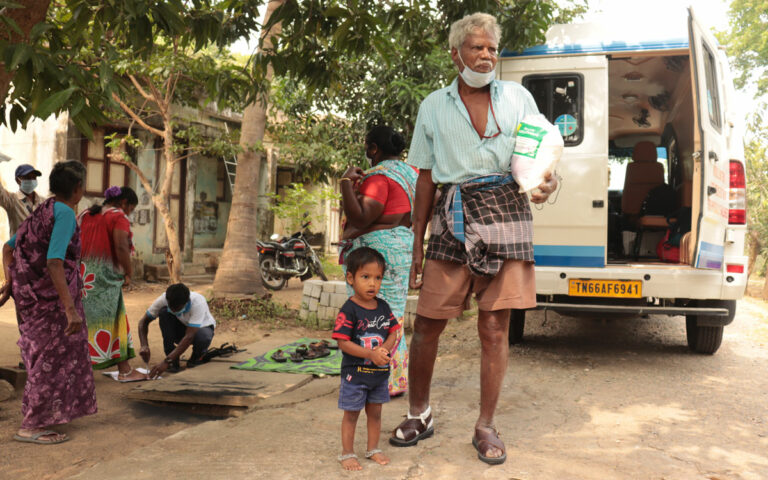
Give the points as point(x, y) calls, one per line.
point(685, 194)
point(643, 173)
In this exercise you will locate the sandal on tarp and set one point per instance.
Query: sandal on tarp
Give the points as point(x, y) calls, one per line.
point(296, 357)
point(330, 345)
point(317, 350)
point(483, 440)
point(35, 438)
point(413, 429)
point(279, 356)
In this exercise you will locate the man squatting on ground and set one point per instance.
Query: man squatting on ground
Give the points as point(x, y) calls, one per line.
point(184, 320)
point(462, 143)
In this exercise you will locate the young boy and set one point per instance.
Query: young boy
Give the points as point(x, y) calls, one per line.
point(366, 332)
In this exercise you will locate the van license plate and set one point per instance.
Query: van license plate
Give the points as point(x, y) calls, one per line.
point(605, 288)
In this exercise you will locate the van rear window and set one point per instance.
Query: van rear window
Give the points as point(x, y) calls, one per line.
point(560, 98)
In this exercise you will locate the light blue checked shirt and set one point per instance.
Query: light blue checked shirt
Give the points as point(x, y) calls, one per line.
point(445, 141)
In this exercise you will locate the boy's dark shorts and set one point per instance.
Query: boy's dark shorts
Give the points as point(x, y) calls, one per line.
point(354, 396)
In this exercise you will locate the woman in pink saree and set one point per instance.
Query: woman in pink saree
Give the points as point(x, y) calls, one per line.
point(42, 262)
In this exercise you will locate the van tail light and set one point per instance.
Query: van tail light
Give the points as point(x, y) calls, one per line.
point(734, 268)
point(737, 198)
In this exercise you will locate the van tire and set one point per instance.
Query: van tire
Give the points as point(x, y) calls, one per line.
point(516, 326)
point(702, 339)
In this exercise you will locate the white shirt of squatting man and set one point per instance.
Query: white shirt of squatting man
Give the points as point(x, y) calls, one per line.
point(198, 315)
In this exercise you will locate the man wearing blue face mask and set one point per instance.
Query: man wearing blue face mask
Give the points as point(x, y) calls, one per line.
point(19, 205)
point(185, 320)
point(481, 238)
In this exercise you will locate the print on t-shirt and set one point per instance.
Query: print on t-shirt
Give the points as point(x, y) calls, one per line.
point(369, 329)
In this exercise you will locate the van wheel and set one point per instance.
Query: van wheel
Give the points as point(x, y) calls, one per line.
point(702, 339)
point(516, 326)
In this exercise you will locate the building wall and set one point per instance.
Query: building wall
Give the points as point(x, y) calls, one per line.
point(41, 144)
point(210, 215)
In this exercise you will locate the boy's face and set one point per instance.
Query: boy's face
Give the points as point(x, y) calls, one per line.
point(366, 281)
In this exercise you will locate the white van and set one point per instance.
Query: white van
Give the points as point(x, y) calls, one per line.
point(636, 114)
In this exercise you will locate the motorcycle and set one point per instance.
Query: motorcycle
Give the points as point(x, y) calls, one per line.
point(284, 258)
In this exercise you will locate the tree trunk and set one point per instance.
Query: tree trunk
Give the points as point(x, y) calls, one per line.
point(174, 261)
point(30, 14)
point(765, 288)
point(754, 249)
point(238, 271)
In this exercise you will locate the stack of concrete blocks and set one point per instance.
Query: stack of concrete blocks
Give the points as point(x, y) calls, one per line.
point(410, 311)
point(321, 301)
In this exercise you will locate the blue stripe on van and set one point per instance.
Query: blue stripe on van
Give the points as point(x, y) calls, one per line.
point(569, 256)
point(616, 46)
point(710, 256)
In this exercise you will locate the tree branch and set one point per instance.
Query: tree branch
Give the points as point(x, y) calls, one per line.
point(157, 97)
point(135, 117)
point(142, 178)
point(141, 90)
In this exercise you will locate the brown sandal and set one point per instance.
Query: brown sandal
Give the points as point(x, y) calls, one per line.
point(413, 429)
point(484, 441)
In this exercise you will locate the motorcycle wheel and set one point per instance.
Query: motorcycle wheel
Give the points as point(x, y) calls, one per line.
point(319, 268)
point(271, 281)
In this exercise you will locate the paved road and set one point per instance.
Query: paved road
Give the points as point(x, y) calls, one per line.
point(584, 398)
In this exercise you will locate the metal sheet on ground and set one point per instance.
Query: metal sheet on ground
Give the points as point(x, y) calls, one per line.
point(215, 383)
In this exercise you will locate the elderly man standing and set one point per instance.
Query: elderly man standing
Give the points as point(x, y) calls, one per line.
point(482, 234)
point(20, 204)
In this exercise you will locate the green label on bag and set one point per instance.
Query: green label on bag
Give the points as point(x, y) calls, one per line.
point(528, 140)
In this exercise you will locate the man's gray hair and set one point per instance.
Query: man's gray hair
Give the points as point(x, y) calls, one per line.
point(467, 25)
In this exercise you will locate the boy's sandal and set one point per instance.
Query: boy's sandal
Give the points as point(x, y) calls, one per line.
point(302, 349)
point(296, 357)
point(279, 356)
point(347, 456)
point(373, 452)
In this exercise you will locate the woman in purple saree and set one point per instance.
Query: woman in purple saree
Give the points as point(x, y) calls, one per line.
point(42, 262)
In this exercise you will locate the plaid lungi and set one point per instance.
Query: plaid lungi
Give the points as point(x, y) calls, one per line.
point(497, 225)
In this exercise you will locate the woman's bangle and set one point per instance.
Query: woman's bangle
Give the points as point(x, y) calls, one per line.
point(345, 178)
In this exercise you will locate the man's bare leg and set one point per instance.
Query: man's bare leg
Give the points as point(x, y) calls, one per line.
point(493, 330)
point(423, 352)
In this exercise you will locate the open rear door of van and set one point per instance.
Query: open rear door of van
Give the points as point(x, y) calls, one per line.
point(711, 175)
point(571, 228)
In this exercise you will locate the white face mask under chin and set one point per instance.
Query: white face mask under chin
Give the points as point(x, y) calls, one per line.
point(476, 79)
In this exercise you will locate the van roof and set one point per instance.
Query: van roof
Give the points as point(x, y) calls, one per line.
point(597, 38)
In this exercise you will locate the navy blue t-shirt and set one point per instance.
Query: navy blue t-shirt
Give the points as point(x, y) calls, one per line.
point(369, 329)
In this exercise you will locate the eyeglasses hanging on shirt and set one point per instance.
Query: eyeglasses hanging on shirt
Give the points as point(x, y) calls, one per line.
point(493, 114)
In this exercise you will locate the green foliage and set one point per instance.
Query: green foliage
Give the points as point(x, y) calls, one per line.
point(756, 155)
point(74, 60)
point(298, 205)
point(263, 310)
point(375, 68)
point(747, 42)
point(331, 267)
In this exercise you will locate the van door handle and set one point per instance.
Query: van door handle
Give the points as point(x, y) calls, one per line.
point(711, 190)
point(713, 156)
point(597, 204)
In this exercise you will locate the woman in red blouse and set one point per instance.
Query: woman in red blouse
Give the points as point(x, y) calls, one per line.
point(106, 268)
point(377, 205)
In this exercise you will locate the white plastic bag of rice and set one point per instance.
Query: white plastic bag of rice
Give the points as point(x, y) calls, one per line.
point(538, 148)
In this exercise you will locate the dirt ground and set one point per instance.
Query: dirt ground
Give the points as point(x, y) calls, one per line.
point(120, 425)
point(584, 398)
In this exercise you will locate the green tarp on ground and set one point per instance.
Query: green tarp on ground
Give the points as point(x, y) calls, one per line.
point(330, 365)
